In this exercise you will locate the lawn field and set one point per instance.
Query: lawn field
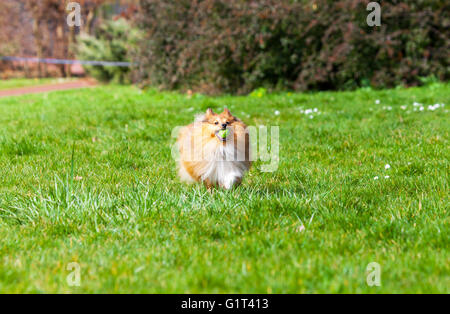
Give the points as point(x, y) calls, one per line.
point(87, 177)
point(18, 83)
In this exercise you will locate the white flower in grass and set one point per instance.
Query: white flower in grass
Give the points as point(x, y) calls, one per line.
point(421, 108)
point(434, 107)
point(416, 104)
point(377, 101)
point(311, 117)
point(277, 113)
point(375, 178)
point(386, 177)
point(316, 110)
point(403, 107)
point(388, 166)
point(308, 111)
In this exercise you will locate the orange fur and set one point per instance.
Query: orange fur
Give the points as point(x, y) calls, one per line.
point(205, 157)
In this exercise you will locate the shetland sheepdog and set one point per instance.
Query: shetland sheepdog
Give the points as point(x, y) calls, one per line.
point(214, 150)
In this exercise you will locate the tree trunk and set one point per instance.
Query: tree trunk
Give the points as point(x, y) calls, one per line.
point(71, 46)
point(61, 48)
point(89, 21)
point(38, 39)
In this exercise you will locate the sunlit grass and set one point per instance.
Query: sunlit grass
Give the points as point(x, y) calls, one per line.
point(311, 226)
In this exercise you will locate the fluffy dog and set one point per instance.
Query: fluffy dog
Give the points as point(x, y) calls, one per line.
point(214, 150)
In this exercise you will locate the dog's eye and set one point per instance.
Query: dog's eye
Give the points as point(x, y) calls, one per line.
point(228, 122)
point(216, 122)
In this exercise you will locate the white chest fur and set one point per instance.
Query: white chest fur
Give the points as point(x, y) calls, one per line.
point(223, 168)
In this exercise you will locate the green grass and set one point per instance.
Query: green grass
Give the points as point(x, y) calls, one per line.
point(17, 83)
point(133, 227)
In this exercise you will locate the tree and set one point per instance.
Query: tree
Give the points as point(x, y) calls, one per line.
point(38, 28)
point(49, 23)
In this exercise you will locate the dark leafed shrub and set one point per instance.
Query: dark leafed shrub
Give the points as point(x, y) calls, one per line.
point(238, 45)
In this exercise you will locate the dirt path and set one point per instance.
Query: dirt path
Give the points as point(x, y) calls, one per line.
point(81, 83)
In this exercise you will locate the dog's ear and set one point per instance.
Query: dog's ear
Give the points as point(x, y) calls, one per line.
point(227, 112)
point(209, 112)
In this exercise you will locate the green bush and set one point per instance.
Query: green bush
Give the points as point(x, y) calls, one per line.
point(238, 45)
point(111, 42)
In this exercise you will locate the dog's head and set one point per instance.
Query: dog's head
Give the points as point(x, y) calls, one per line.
point(220, 125)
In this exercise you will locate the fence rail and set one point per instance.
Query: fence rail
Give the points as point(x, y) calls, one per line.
point(66, 61)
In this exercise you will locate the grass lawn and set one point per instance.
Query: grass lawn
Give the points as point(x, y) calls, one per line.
point(17, 83)
point(311, 226)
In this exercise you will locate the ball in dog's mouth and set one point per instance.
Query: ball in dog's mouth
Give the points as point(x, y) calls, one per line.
point(223, 134)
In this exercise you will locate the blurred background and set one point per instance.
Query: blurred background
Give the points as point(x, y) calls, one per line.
point(230, 46)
